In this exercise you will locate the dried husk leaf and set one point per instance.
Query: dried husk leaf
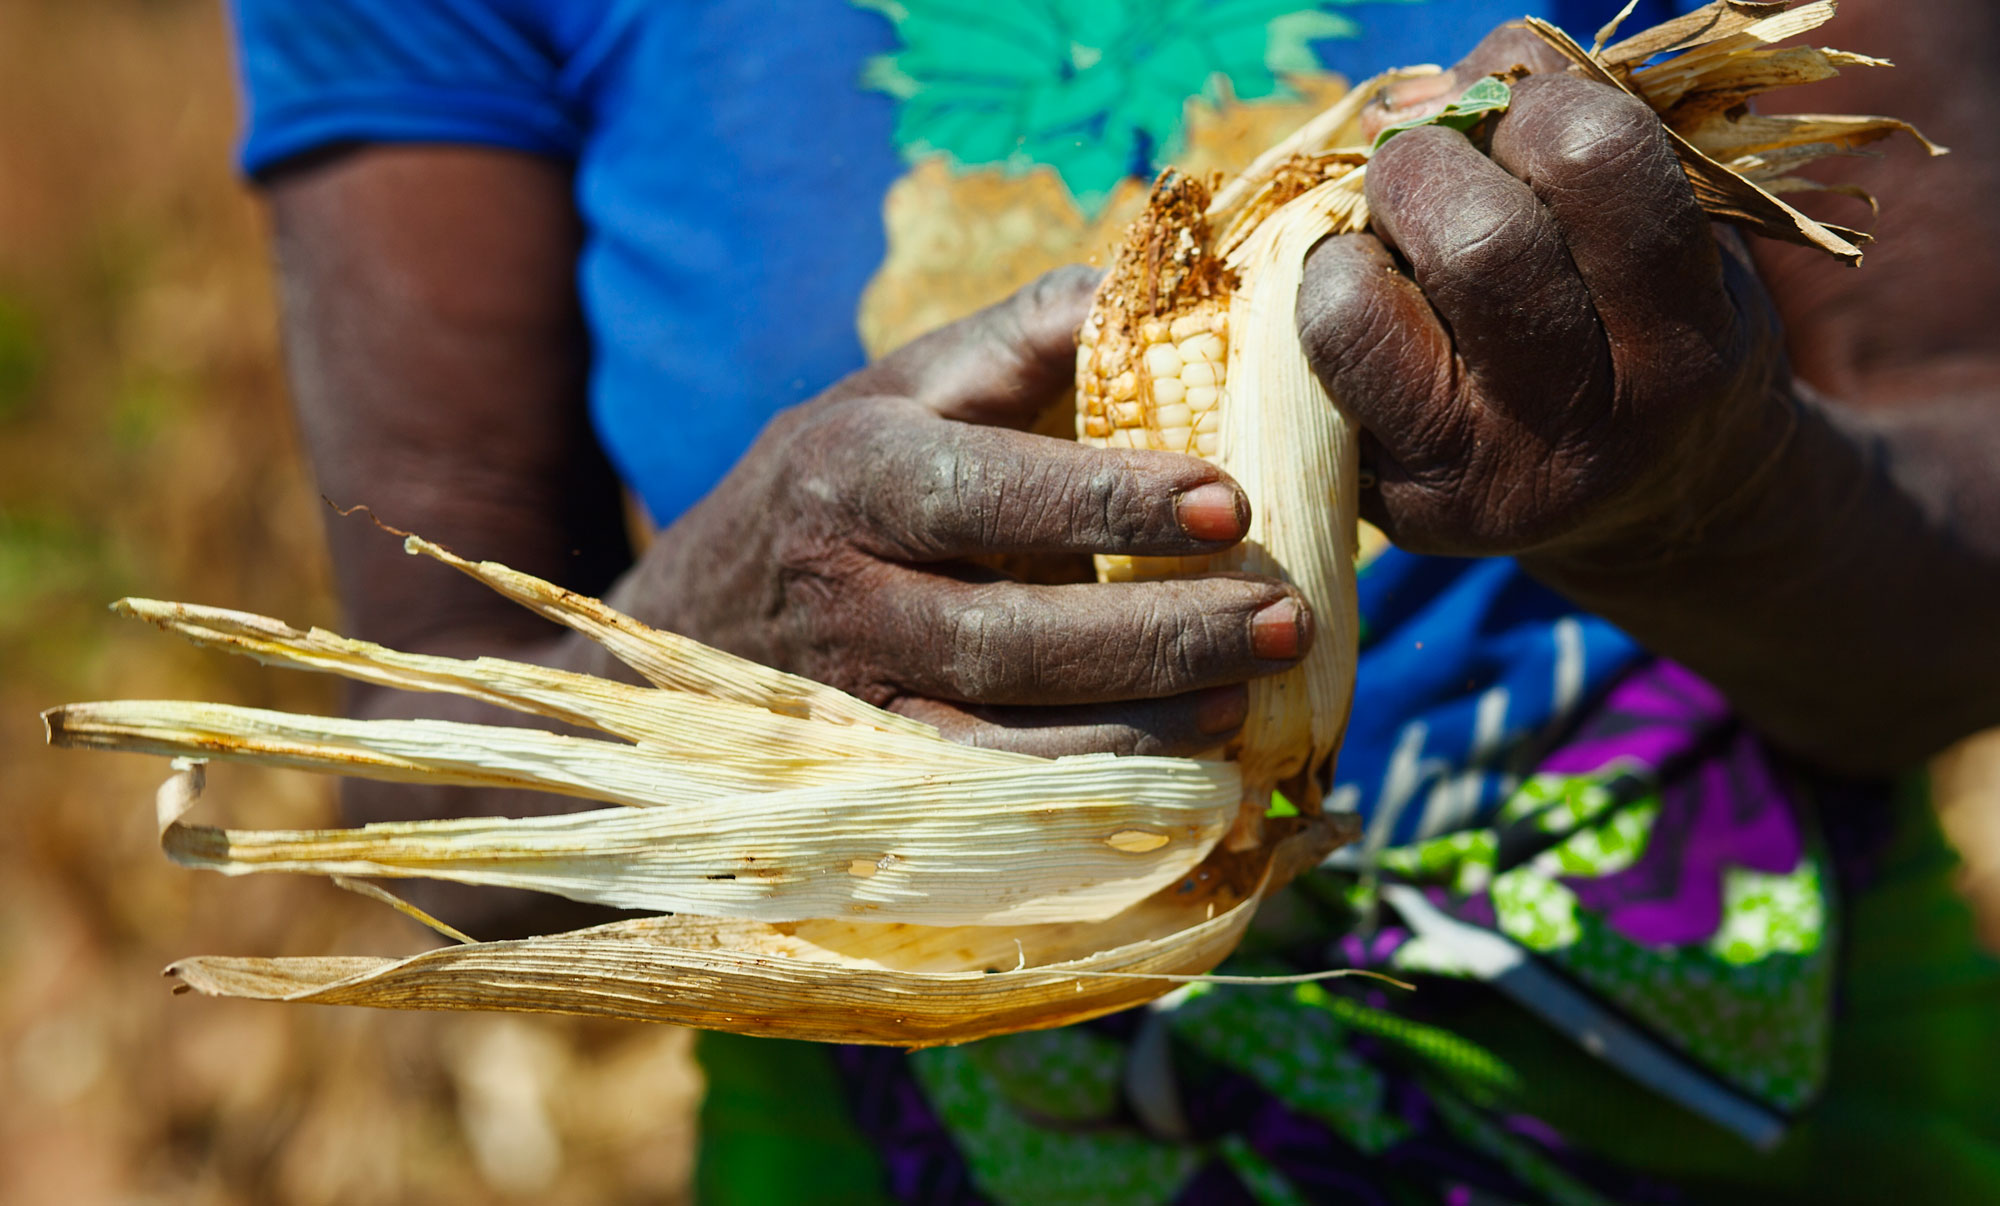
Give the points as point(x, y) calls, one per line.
point(1705, 25)
point(1714, 61)
point(1720, 192)
point(1300, 462)
point(1738, 78)
point(1726, 138)
point(1072, 839)
point(908, 986)
point(767, 748)
point(398, 751)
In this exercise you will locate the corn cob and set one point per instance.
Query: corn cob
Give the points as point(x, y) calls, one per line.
point(841, 873)
point(1188, 346)
point(1157, 369)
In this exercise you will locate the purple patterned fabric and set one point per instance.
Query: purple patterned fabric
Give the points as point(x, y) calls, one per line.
point(1731, 812)
point(1660, 734)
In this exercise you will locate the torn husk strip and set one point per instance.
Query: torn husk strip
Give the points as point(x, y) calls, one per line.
point(1722, 62)
point(760, 747)
point(758, 980)
point(901, 985)
point(1072, 839)
point(400, 751)
point(1703, 25)
point(1726, 138)
point(1719, 191)
point(361, 887)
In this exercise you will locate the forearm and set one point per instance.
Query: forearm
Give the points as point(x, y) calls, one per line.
point(1847, 599)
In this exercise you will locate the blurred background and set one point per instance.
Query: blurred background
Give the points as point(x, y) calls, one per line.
point(145, 448)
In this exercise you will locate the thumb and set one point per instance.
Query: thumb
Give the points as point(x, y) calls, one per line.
point(1002, 366)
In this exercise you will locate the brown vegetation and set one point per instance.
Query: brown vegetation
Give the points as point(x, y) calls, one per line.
point(145, 448)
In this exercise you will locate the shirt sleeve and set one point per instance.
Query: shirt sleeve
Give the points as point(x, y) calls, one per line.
point(320, 73)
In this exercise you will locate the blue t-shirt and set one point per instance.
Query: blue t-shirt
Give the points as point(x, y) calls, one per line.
point(732, 162)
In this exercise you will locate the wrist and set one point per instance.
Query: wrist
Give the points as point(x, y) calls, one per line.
point(1727, 495)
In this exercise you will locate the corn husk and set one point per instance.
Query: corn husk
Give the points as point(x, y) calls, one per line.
point(727, 809)
point(837, 981)
point(837, 872)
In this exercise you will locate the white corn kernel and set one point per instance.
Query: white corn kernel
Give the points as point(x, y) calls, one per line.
point(1169, 390)
point(1203, 397)
point(1176, 415)
point(1163, 361)
point(1207, 346)
point(1201, 372)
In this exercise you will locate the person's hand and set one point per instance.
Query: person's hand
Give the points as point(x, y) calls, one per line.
point(842, 545)
point(1548, 349)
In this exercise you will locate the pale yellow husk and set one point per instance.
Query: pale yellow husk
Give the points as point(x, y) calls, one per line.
point(841, 873)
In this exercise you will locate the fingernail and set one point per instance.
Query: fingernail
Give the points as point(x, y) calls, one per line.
point(1279, 631)
point(1217, 511)
point(1220, 709)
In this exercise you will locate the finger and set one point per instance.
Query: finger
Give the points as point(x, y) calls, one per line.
point(1000, 367)
point(1007, 643)
point(931, 491)
point(1385, 359)
point(1182, 726)
point(1493, 263)
point(1511, 49)
point(1601, 164)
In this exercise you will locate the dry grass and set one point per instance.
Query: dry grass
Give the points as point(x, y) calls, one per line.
point(144, 446)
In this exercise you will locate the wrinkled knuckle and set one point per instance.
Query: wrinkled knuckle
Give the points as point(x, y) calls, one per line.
point(1098, 503)
point(981, 640)
point(1595, 136)
point(1174, 646)
point(925, 504)
point(1440, 510)
point(939, 484)
point(1479, 244)
point(1353, 329)
point(1337, 301)
point(1129, 742)
point(1375, 347)
point(1405, 165)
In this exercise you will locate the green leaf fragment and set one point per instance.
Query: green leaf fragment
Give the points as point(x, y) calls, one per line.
point(1487, 97)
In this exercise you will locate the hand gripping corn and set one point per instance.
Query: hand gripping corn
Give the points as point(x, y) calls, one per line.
point(832, 871)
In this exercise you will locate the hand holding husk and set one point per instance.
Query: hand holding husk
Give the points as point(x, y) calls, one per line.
point(836, 872)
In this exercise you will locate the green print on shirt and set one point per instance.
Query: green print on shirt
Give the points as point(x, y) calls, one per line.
point(1095, 89)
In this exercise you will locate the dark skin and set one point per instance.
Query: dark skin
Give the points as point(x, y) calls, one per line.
point(1549, 351)
point(1575, 370)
